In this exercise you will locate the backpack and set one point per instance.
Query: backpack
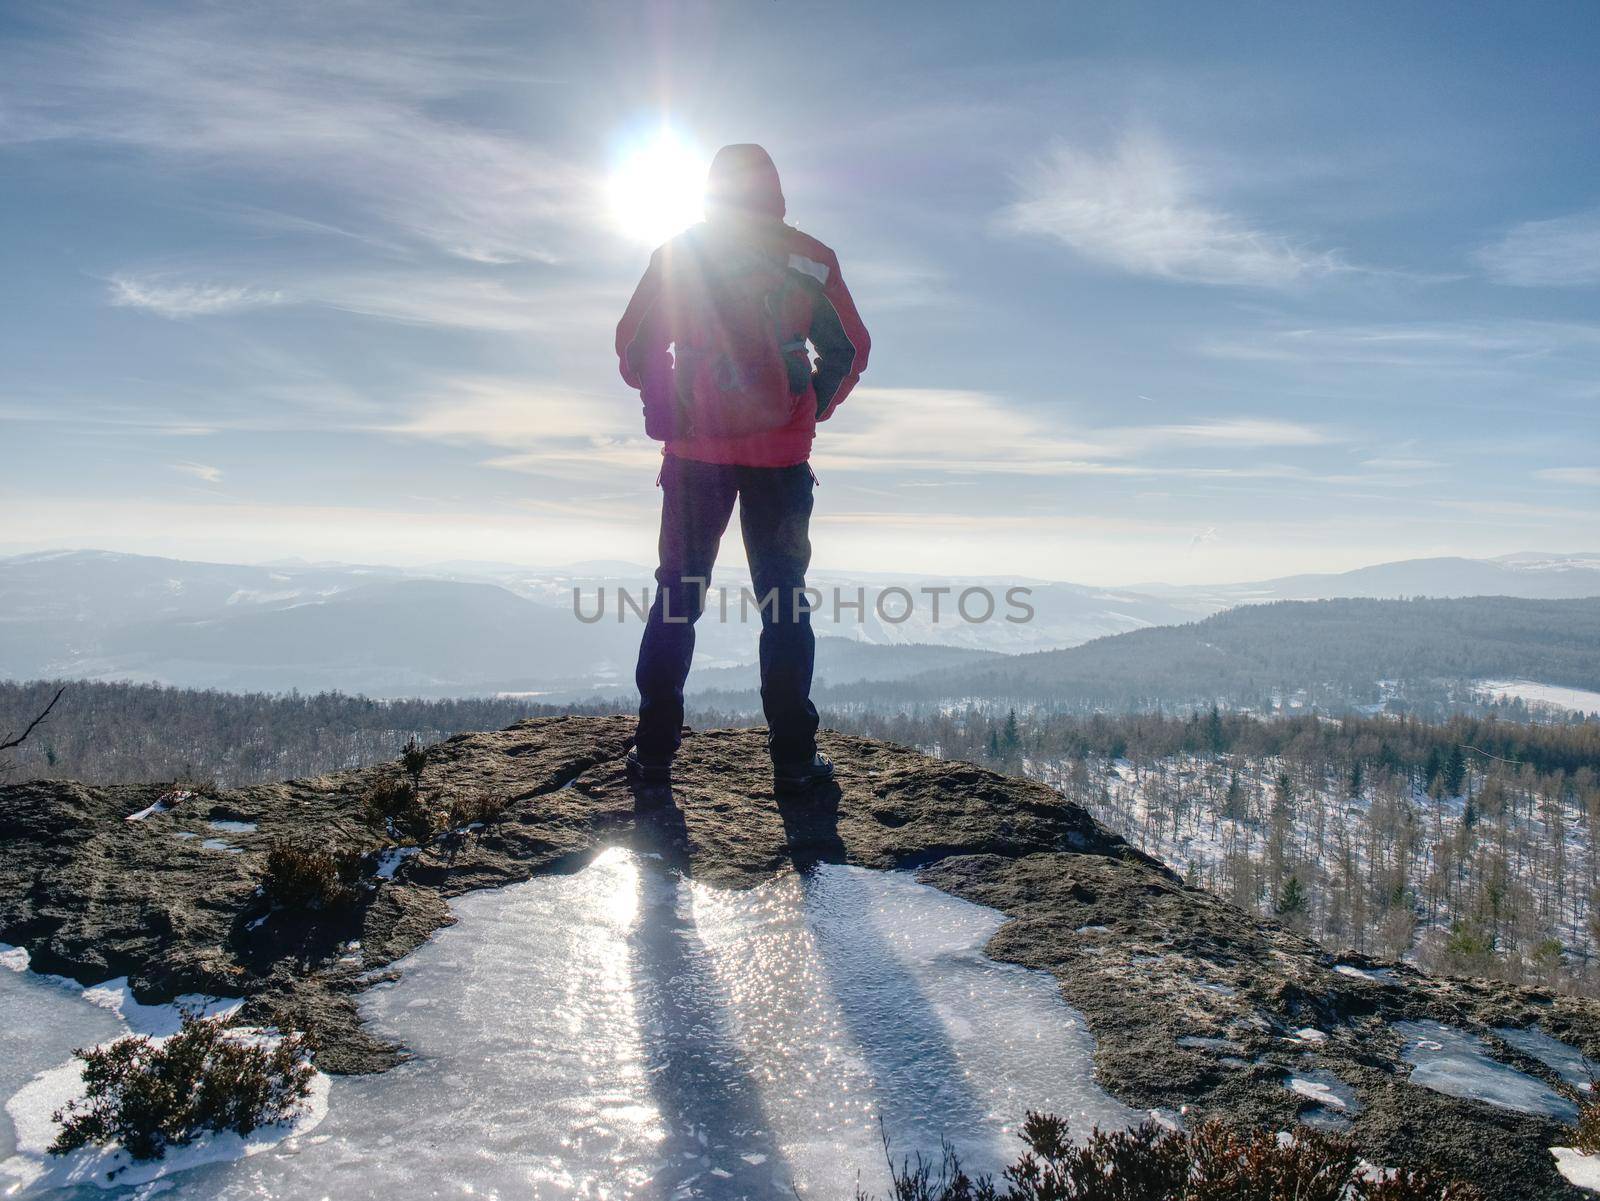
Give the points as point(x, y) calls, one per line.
point(739, 324)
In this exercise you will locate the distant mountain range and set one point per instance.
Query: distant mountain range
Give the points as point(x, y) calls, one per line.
point(1529, 574)
point(473, 628)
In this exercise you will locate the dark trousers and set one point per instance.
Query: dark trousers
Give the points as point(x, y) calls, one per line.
point(775, 519)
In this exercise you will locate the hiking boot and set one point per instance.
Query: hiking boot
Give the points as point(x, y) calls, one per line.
point(788, 778)
point(649, 771)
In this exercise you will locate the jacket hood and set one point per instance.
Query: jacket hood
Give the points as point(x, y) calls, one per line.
point(744, 181)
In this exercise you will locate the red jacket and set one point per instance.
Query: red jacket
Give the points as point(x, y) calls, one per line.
point(837, 336)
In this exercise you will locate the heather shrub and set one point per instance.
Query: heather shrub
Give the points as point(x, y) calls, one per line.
point(395, 809)
point(414, 759)
point(1213, 1162)
point(149, 1095)
point(484, 809)
point(1586, 1133)
point(301, 876)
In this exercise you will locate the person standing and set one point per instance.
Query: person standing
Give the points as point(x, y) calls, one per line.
point(740, 338)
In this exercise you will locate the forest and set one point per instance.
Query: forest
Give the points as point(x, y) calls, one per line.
point(1469, 845)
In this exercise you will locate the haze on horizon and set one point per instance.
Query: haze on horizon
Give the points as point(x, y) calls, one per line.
point(1156, 293)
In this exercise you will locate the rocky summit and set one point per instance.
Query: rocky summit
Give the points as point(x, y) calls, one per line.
point(1196, 1006)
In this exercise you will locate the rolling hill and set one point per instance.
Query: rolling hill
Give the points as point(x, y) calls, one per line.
point(1335, 651)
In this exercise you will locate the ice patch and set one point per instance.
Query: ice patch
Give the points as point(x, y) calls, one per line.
point(1378, 975)
point(1310, 1034)
point(117, 998)
point(624, 1032)
point(216, 844)
point(1567, 1062)
point(1451, 1061)
point(232, 827)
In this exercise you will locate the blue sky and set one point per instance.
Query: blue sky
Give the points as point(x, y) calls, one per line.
point(1157, 291)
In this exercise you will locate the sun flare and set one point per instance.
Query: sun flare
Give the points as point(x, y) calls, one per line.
point(657, 189)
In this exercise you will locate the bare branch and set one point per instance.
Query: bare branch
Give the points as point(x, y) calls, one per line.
point(34, 724)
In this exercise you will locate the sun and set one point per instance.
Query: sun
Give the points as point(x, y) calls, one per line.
point(657, 189)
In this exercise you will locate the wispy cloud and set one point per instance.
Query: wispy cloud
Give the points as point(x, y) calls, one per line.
point(1587, 477)
point(1242, 431)
point(1468, 346)
point(513, 300)
point(1138, 209)
point(178, 299)
point(535, 429)
point(1562, 252)
point(200, 471)
point(1517, 512)
point(360, 128)
point(980, 433)
point(510, 413)
point(1389, 464)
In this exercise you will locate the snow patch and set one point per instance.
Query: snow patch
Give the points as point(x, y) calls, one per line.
point(1325, 1089)
point(1578, 1168)
point(389, 861)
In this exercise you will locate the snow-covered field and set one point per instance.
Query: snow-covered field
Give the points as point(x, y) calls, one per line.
point(1552, 696)
point(625, 1032)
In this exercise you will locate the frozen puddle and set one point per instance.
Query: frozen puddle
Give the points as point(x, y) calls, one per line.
point(624, 1033)
point(1452, 1061)
point(1567, 1062)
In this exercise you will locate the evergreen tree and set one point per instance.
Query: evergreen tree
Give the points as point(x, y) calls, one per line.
point(1291, 898)
point(1430, 770)
point(1233, 806)
point(1455, 772)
